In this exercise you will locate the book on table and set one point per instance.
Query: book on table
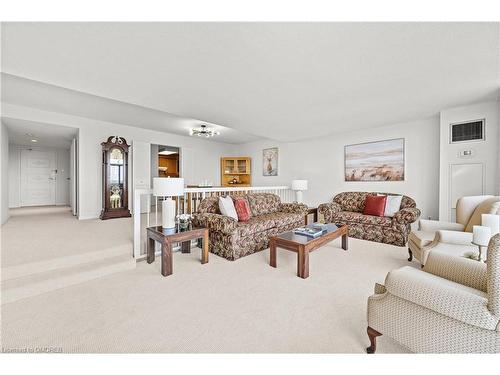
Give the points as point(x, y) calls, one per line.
point(310, 231)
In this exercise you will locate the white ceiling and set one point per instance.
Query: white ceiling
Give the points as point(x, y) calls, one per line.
point(286, 81)
point(26, 92)
point(47, 135)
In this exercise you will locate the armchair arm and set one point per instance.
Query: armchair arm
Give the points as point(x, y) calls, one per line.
point(435, 225)
point(328, 210)
point(215, 222)
point(294, 208)
point(442, 296)
point(460, 270)
point(406, 215)
point(453, 237)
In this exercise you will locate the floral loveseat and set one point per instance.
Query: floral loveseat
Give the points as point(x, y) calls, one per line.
point(234, 239)
point(347, 208)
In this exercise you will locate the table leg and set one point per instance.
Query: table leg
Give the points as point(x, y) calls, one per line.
point(272, 252)
point(204, 250)
point(186, 247)
point(344, 241)
point(303, 263)
point(151, 250)
point(166, 258)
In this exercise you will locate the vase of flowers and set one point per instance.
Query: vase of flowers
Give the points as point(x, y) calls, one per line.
point(184, 221)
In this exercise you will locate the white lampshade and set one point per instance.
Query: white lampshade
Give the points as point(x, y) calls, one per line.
point(168, 187)
point(491, 221)
point(299, 185)
point(481, 235)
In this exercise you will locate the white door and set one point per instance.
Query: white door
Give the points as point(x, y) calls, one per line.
point(38, 178)
point(465, 180)
point(72, 177)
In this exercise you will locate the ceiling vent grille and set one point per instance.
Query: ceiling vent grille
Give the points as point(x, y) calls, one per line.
point(467, 131)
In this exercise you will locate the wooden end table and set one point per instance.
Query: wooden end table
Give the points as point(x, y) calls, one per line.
point(311, 211)
point(303, 245)
point(166, 237)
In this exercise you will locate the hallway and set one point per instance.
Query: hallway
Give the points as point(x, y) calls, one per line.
point(35, 234)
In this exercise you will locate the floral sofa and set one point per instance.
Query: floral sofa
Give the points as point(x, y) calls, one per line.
point(347, 208)
point(234, 239)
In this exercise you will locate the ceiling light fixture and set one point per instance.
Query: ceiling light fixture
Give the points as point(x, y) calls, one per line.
point(203, 131)
point(34, 140)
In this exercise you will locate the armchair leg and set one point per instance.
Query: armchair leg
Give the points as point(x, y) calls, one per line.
point(372, 335)
point(410, 258)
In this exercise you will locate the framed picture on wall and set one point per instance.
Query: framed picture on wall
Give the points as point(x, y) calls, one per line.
point(375, 161)
point(270, 161)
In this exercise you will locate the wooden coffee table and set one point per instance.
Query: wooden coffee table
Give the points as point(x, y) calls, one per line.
point(303, 245)
point(166, 237)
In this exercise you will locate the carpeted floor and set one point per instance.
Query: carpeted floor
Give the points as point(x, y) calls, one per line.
point(243, 306)
point(34, 234)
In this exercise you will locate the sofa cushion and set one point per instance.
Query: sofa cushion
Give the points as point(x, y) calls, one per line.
point(359, 218)
point(209, 205)
point(352, 201)
point(375, 205)
point(282, 219)
point(242, 208)
point(255, 224)
point(489, 206)
point(226, 207)
point(263, 203)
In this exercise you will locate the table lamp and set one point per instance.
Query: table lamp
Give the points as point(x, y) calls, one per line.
point(480, 237)
point(168, 187)
point(299, 186)
point(491, 221)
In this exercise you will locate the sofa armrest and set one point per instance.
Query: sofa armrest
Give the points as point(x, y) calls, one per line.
point(435, 225)
point(294, 208)
point(215, 222)
point(453, 237)
point(458, 269)
point(406, 215)
point(328, 210)
point(442, 296)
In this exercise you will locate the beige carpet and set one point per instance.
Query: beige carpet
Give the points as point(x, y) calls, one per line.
point(34, 234)
point(242, 306)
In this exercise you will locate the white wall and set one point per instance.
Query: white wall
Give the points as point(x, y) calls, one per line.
point(14, 171)
point(92, 132)
point(321, 162)
point(4, 183)
point(498, 148)
point(485, 152)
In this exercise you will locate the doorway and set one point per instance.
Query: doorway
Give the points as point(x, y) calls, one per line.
point(165, 161)
point(42, 164)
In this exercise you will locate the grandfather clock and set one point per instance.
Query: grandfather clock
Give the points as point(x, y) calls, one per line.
point(114, 178)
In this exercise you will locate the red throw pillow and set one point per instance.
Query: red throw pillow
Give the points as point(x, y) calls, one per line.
point(375, 205)
point(242, 209)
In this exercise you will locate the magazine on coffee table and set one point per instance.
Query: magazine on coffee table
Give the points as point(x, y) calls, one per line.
point(310, 231)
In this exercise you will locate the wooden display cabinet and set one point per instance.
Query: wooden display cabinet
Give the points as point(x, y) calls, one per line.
point(235, 171)
point(168, 165)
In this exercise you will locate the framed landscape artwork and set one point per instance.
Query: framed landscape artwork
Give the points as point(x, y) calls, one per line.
point(375, 161)
point(270, 161)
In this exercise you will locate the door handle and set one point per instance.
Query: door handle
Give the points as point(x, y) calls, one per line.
point(51, 178)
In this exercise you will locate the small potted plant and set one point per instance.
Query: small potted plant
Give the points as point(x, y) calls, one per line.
point(184, 221)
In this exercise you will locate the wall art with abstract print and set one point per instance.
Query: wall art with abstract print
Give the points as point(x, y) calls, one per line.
point(375, 161)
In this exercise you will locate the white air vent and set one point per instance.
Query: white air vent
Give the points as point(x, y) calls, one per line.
point(467, 131)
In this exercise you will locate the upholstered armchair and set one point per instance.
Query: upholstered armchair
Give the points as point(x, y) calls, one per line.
point(452, 238)
point(452, 305)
